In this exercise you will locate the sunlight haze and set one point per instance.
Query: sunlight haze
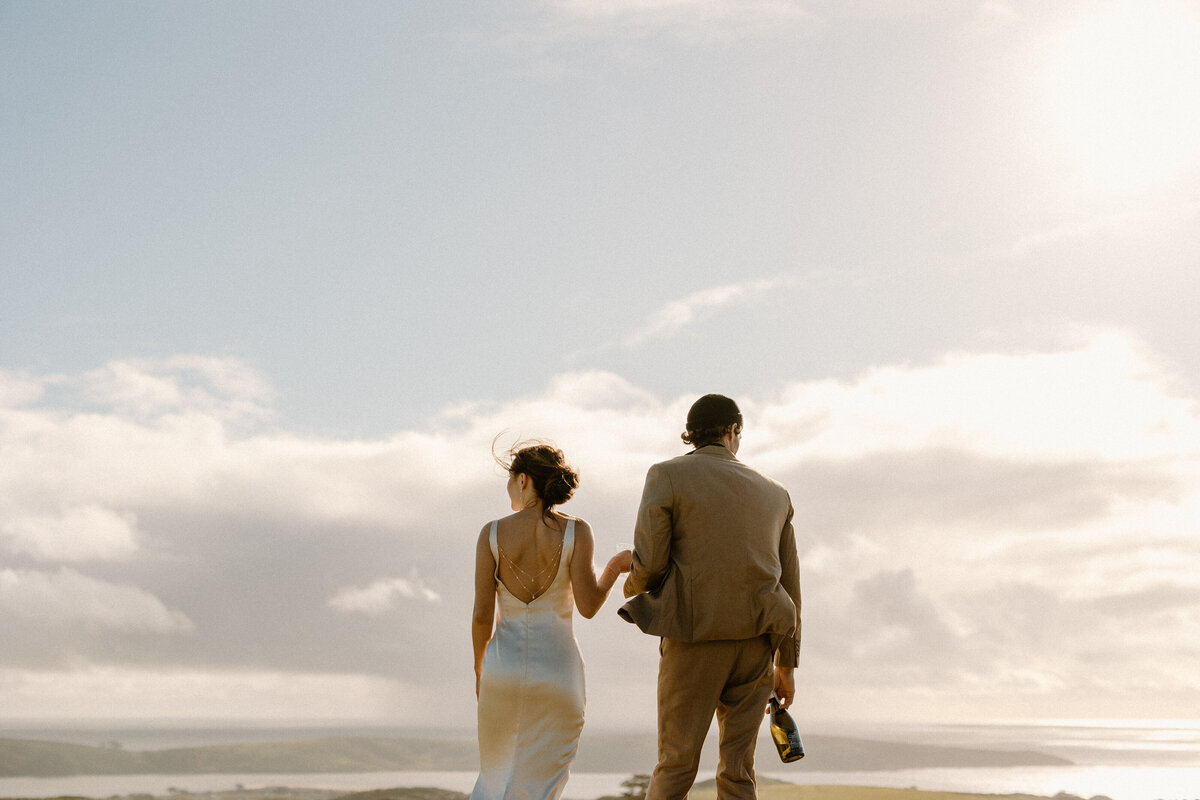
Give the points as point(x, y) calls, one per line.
point(274, 277)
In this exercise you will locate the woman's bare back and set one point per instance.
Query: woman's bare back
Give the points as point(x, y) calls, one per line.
point(530, 546)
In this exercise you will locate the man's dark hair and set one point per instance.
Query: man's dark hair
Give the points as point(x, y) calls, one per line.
point(709, 418)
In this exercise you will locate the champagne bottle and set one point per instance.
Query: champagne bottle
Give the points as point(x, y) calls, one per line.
point(785, 733)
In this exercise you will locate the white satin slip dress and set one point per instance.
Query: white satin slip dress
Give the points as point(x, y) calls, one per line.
point(531, 690)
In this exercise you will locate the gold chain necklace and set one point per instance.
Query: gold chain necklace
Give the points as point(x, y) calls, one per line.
point(535, 578)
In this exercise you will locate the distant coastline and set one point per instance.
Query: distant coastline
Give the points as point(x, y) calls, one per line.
point(1116, 759)
point(21, 757)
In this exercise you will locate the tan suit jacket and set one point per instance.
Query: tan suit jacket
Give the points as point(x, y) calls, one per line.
point(715, 554)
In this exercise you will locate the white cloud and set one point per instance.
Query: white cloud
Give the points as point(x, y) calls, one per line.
point(679, 314)
point(705, 21)
point(928, 497)
point(82, 533)
point(381, 595)
point(127, 387)
point(18, 390)
point(145, 387)
point(105, 691)
point(174, 434)
point(609, 428)
point(696, 20)
point(67, 596)
point(1103, 398)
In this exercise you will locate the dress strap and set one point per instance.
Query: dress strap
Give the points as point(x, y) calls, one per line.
point(568, 546)
point(495, 543)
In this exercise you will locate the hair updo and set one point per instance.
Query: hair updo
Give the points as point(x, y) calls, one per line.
point(553, 479)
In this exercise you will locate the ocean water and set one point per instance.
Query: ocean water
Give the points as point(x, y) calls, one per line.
point(1120, 760)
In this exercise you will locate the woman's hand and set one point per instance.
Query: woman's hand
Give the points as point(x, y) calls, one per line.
point(621, 562)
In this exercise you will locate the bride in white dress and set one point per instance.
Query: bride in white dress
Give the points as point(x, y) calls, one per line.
point(532, 569)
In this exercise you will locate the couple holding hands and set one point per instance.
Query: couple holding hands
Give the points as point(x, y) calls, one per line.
point(713, 572)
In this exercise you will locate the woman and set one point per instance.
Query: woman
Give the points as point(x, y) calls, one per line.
point(536, 564)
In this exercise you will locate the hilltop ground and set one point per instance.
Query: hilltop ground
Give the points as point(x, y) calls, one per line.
point(704, 791)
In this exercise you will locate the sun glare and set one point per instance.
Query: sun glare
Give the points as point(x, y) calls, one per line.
point(1125, 88)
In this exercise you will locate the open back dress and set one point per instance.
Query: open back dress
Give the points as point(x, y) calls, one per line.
point(531, 690)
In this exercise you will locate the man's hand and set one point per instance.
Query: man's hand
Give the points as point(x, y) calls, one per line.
point(785, 685)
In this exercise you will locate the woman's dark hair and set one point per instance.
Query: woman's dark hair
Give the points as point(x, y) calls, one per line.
point(553, 479)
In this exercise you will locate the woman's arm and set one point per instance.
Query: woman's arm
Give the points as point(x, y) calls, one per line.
point(590, 592)
point(484, 613)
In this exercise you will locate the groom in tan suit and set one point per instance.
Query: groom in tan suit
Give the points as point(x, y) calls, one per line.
point(715, 575)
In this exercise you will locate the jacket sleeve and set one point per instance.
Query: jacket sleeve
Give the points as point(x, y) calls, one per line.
point(652, 534)
point(789, 647)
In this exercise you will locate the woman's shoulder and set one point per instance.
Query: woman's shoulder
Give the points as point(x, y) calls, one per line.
point(563, 518)
point(518, 523)
point(581, 526)
point(508, 520)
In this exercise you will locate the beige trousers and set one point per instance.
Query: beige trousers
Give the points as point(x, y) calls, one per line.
point(732, 679)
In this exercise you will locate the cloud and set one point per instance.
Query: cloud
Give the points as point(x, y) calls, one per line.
point(963, 493)
point(547, 40)
point(1102, 398)
point(894, 623)
point(191, 443)
point(223, 386)
point(113, 692)
point(381, 595)
point(67, 596)
point(693, 20)
point(707, 21)
point(679, 314)
point(17, 390)
point(82, 533)
point(983, 522)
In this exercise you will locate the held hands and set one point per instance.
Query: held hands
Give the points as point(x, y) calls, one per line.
point(621, 562)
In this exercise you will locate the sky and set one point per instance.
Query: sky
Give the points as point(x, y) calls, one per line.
point(275, 276)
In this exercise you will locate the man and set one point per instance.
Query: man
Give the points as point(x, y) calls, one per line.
point(715, 575)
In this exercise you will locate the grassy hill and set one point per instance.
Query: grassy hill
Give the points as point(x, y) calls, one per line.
point(789, 792)
point(23, 757)
point(700, 792)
